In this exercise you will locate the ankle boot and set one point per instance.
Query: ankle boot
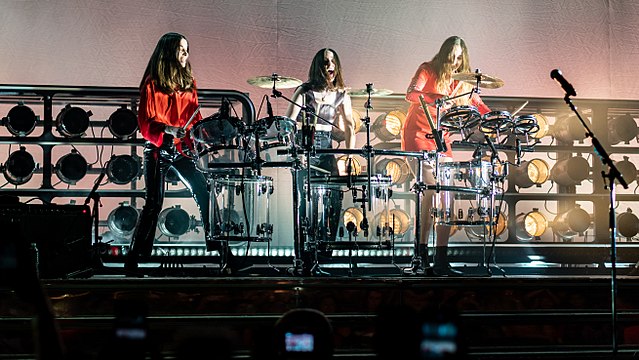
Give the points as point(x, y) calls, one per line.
point(441, 266)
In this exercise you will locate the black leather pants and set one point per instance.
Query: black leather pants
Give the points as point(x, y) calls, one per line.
point(157, 162)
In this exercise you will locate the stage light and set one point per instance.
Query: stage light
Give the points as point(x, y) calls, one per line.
point(123, 123)
point(122, 169)
point(338, 134)
point(353, 215)
point(544, 127)
point(627, 169)
point(388, 126)
point(342, 166)
point(569, 128)
point(71, 168)
point(396, 219)
point(622, 129)
point(529, 173)
point(175, 222)
point(72, 121)
point(530, 226)
point(398, 170)
point(571, 171)
point(123, 219)
point(20, 121)
point(627, 224)
point(20, 167)
point(571, 223)
point(479, 232)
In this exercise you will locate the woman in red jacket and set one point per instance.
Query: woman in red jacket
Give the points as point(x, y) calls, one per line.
point(168, 99)
point(433, 80)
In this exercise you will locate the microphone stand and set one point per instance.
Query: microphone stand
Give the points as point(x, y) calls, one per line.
point(95, 212)
point(612, 175)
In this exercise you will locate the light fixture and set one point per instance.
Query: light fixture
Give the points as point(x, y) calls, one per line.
point(479, 232)
point(627, 224)
point(396, 219)
point(123, 219)
point(175, 222)
point(342, 166)
point(123, 123)
point(353, 215)
point(569, 128)
point(571, 171)
point(544, 127)
point(627, 169)
point(397, 168)
point(72, 121)
point(21, 120)
point(71, 168)
point(622, 129)
point(20, 167)
point(530, 226)
point(122, 169)
point(338, 133)
point(529, 173)
point(388, 126)
point(571, 223)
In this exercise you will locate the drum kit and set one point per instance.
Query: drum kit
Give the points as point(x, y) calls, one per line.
point(232, 155)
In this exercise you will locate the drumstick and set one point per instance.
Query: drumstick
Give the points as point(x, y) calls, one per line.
point(518, 110)
point(197, 110)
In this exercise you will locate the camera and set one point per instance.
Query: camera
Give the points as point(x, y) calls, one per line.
point(304, 342)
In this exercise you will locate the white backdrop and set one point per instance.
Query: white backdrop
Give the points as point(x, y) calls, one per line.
point(107, 43)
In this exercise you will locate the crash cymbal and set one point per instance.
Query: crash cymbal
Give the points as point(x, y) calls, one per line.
point(374, 92)
point(281, 82)
point(485, 81)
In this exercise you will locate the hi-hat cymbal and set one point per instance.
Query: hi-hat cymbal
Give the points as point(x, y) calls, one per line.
point(281, 82)
point(374, 92)
point(485, 81)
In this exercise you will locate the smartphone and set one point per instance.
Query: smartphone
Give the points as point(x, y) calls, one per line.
point(299, 342)
point(439, 340)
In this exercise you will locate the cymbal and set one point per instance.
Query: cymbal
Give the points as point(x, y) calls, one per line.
point(281, 82)
point(374, 92)
point(485, 81)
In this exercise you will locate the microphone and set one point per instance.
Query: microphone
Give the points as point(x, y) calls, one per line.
point(349, 170)
point(556, 75)
point(491, 145)
point(518, 150)
point(269, 111)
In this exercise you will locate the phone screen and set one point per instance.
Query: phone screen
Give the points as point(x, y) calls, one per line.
point(439, 340)
point(299, 342)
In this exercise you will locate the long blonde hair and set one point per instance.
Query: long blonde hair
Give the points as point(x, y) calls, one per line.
point(164, 67)
point(443, 60)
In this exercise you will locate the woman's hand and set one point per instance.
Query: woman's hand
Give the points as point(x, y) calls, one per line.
point(176, 131)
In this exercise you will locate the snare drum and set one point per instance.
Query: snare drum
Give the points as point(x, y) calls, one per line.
point(460, 117)
point(464, 199)
point(240, 208)
point(328, 195)
point(220, 143)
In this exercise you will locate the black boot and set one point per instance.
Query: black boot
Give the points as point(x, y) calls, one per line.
point(441, 266)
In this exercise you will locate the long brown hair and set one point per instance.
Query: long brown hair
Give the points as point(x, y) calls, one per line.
point(443, 60)
point(318, 76)
point(164, 67)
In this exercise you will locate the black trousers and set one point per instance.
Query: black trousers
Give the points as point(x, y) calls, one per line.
point(157, 162)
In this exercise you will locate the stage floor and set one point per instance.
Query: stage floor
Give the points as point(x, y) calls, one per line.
point(514, 312)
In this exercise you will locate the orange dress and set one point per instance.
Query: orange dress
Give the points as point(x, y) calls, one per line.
point(416, 126)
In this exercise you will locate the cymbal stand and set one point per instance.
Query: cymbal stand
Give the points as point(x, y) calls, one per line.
point(493, 215)
point(368, 149)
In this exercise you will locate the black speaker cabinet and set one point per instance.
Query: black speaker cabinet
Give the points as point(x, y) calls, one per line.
point(59, 236)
